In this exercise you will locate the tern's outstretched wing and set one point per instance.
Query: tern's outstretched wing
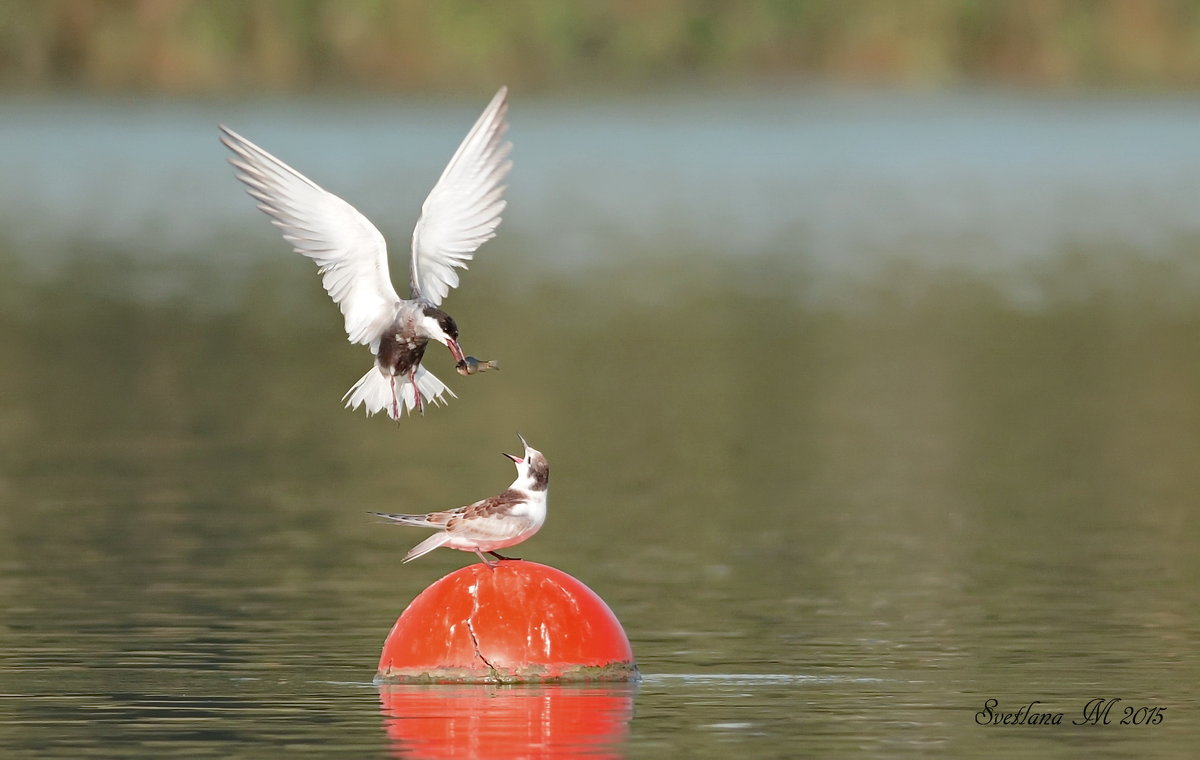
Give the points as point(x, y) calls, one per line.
point(349, 250)
point(463, 209)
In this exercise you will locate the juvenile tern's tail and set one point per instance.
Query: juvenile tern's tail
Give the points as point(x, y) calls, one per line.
point(426, 546)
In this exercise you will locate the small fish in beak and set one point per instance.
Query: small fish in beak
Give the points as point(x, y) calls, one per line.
point(472, 366)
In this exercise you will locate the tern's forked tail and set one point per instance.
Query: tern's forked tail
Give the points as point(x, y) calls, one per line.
point(373, 391)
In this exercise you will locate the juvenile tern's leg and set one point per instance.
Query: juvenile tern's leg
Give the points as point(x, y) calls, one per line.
point(395, 403)
point(484, 560)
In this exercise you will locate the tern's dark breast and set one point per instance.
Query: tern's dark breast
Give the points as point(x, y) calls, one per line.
point(399, 352)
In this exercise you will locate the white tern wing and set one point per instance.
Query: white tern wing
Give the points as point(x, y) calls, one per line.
point(349, 250)
point(463, 209)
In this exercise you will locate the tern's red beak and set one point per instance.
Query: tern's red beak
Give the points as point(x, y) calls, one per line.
point(516, 460)
point(459, 357)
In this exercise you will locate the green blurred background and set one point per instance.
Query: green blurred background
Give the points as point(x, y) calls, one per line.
point(210, 46)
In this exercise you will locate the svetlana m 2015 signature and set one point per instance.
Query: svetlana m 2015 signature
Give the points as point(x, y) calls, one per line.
point(1102, 711)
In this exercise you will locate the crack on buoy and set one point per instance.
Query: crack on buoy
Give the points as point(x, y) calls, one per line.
point(475, 642)
point(473, 590)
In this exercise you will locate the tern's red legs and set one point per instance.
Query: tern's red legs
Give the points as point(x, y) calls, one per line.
point(412, 378)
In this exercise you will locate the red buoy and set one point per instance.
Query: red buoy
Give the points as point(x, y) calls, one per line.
point(517, 622)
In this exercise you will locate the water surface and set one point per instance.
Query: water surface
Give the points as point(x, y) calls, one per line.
point(861, 411)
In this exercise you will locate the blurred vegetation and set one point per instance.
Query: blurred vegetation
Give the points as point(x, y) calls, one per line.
point(195, 46)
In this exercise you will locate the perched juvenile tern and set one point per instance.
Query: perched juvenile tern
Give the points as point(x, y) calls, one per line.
point(460, 214)
point(496, 522)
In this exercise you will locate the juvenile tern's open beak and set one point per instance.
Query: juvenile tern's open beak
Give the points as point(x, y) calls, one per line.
point(518, 460)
